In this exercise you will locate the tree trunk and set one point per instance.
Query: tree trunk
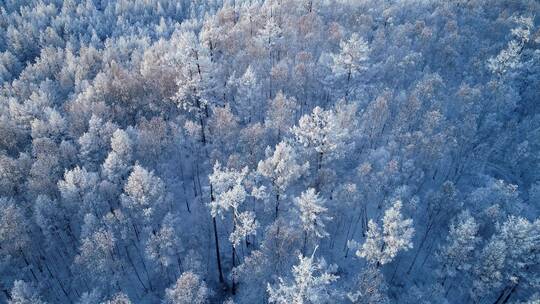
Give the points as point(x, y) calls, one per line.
point(232, 270)
point(506, 294)
point(216, 238)
point(184, 185)
point(135, 269)
point(422, 242)
point(277, 206)
point(305, 244)
point(218, 257)
point(203, 134)
point(29, 266)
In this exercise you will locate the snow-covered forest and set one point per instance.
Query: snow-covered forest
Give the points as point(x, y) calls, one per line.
point(278, 151)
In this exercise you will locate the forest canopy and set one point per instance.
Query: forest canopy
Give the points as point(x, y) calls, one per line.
point(277, 151)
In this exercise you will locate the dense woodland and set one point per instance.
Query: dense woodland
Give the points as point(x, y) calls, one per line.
point(279, 151)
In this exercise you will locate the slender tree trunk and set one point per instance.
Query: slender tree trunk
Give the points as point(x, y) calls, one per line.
point(382, 249)
point(430, 246)
point(218, 257)
point(233, 279)
point(28, 264)
point(199, 179)
point(184, 185)
point(277, 206)
point(304, 248)
point(422, 242)
point(135, 269)
point(232, 270)
point(136, 231)
point(216, 239)
point(203, 134)
point(395, 270)
point(347, 89)
point(345, 247)
point(6, 293)
point(506, 294)
point(145, 269)
point(59, 282)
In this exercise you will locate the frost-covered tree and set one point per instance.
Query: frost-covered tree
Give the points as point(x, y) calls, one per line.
point(270, 34)
point(119, 298)
point(24, 293)
point(118, 163)
point(252, 143)
point(113, 113)
point(370, 288)
point(144, 197)
point(310, 284)
point(509, 58)
point(46, 168)
point(371, 250)
point(282, 168)
point(230, 193)
point(312, 214)
point(522, 241)
point(164, 246)
point(228, 196)
point(195, 77)
point(489, 272)
point(247, 92)
point(269, 38)
point(89, 297)
point(13, 234)
point(94, 142)
point(79, 192)
point(351, 58)
point(321, 133)
point(97, 258)
point(144, 202)
point(458, 252)
point(280, 114)
point(253, 274)
point(281, 238)
point(375, 118)
point(51, 217)
point(188, 289)
point(223, 128)
point(381, 247)
point(52, 125)
point(497, 194)
point(11, 174)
